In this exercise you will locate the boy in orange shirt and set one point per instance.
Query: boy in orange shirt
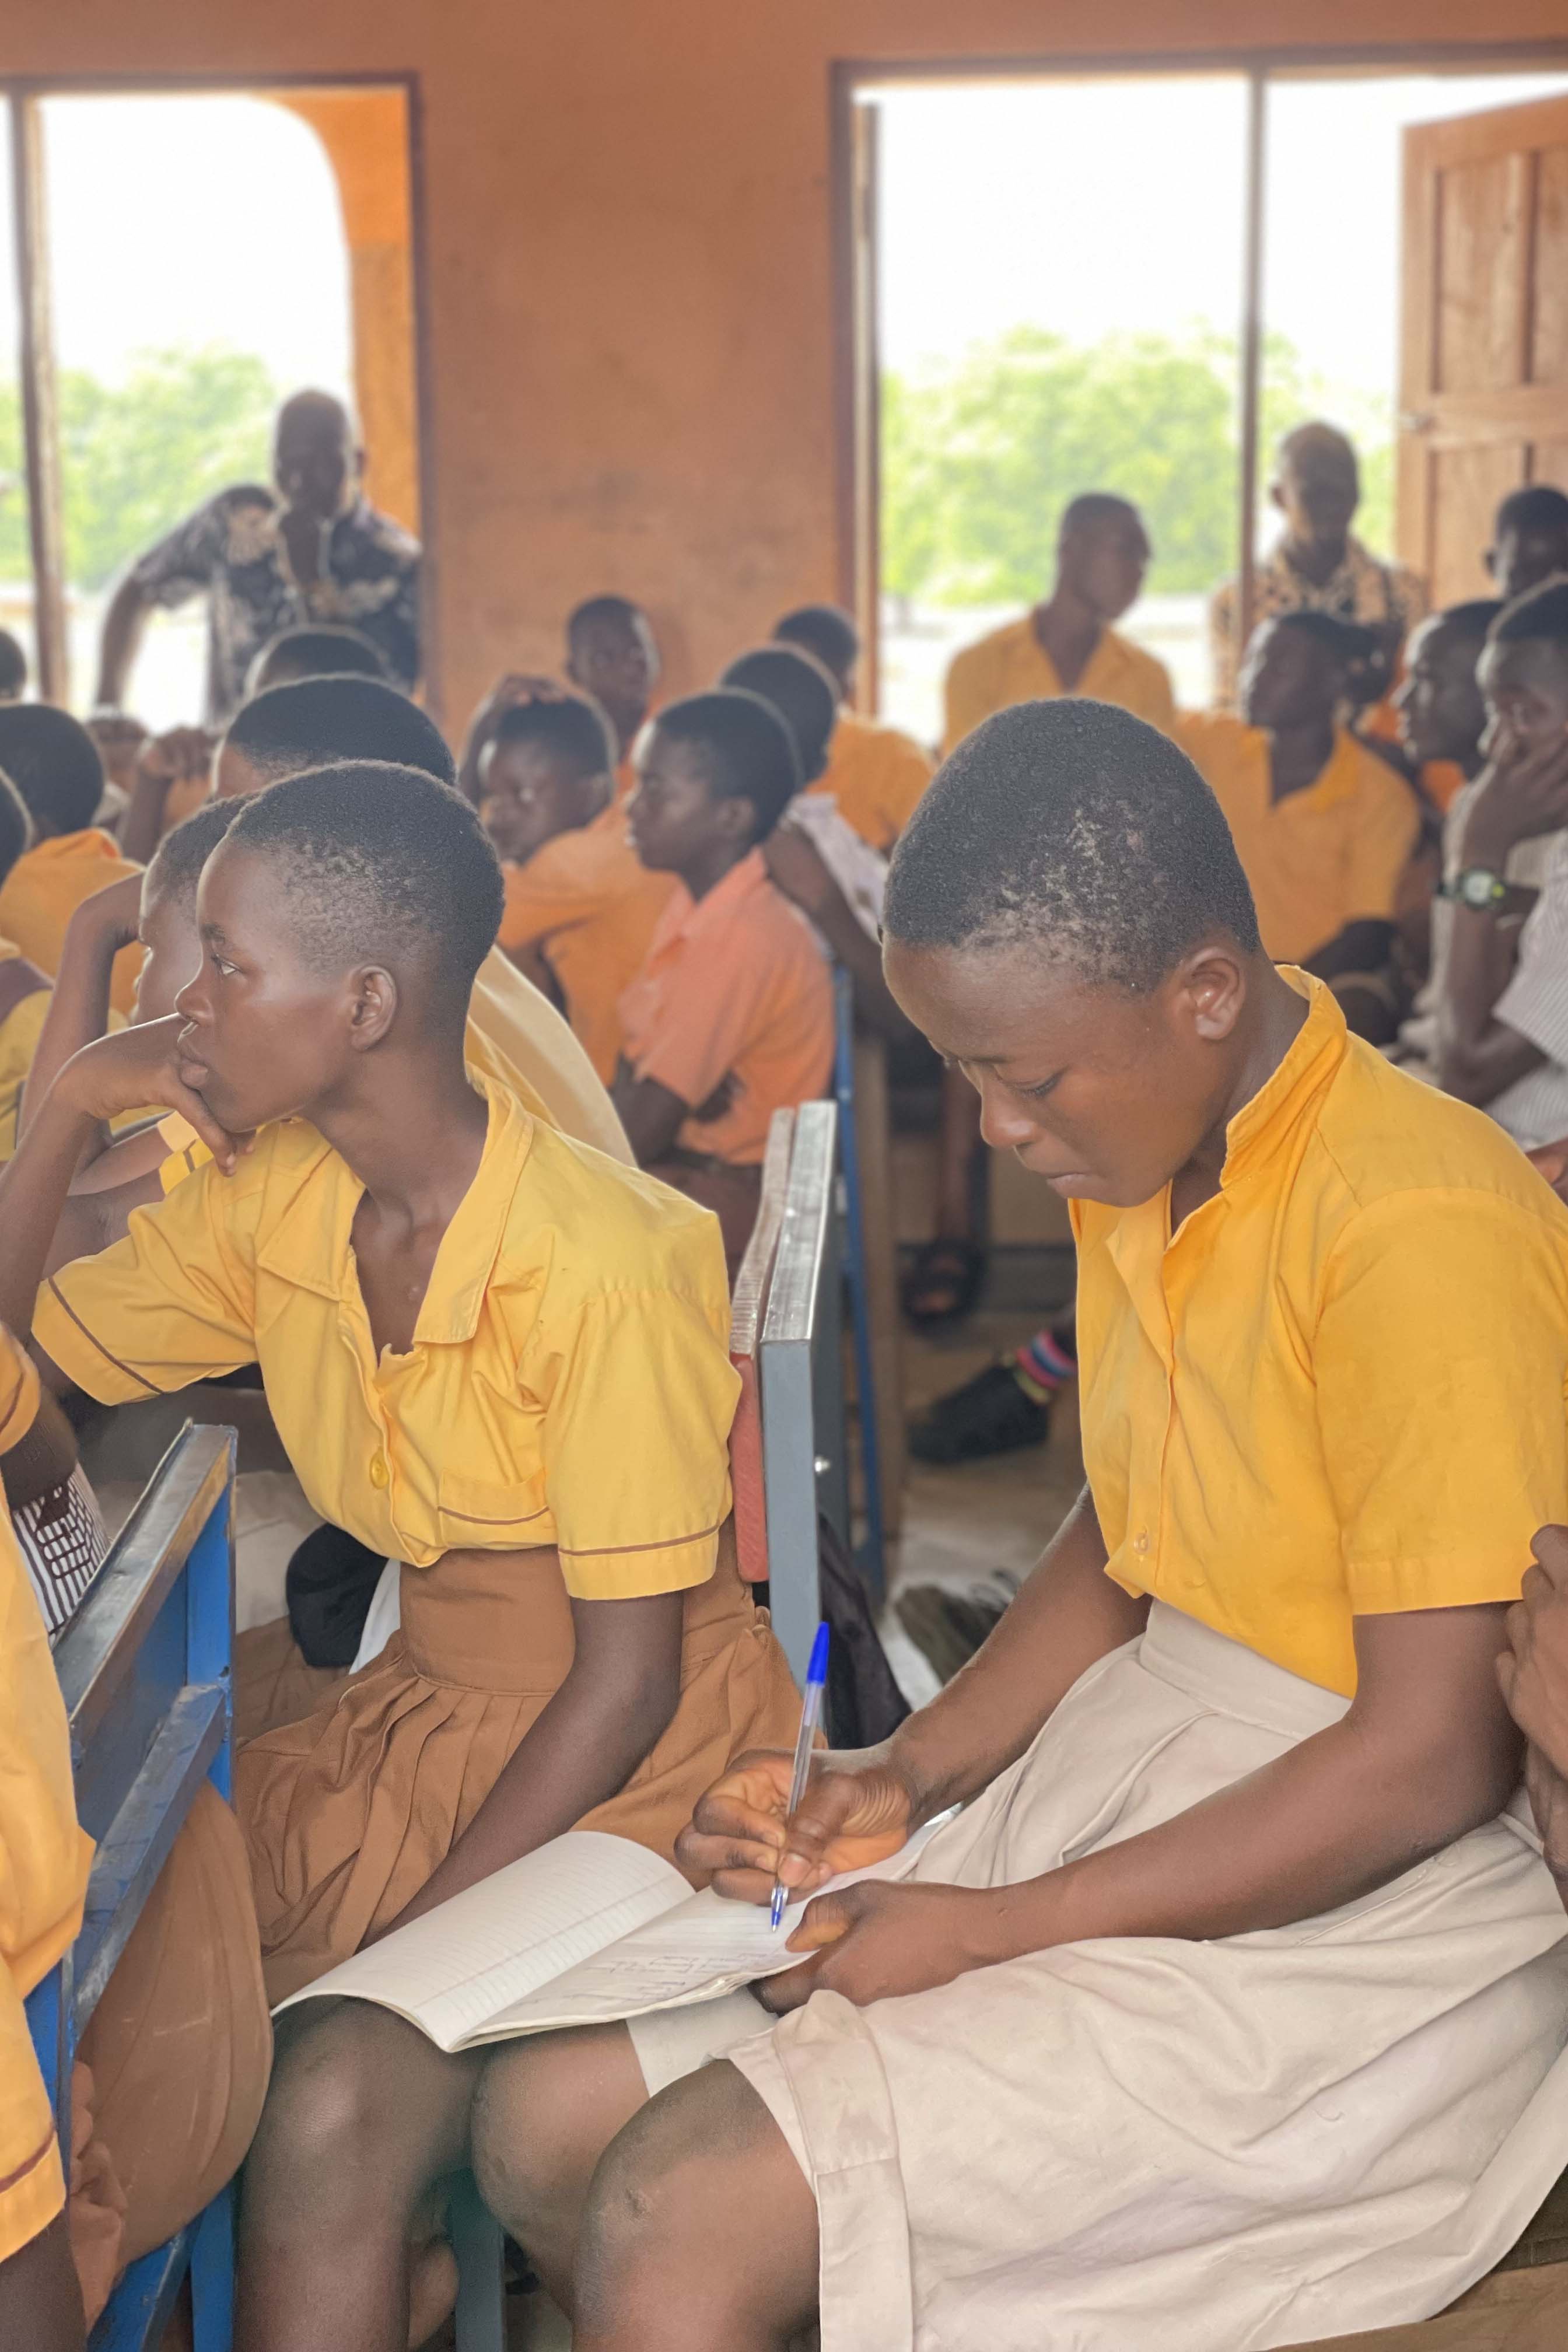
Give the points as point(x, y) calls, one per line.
point(876, 774)
point(731, 1016)
point(56, 768)
point(612, 656)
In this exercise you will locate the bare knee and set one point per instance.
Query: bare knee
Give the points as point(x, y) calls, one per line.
point(543, 2114)
point(330, 2100)
point(670, 2223)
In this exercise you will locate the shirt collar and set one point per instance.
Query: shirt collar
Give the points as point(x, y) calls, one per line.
point(312, 1249)
point(1263, 1126)
point(89, 843)
point(691, 917)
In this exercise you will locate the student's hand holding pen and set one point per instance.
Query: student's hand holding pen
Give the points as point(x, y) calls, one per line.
point(856, 1811)
point(137, 1068)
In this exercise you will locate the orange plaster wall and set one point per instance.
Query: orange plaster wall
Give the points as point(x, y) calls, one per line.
point(628, 267)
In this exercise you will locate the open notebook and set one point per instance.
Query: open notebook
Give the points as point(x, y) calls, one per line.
point(588, 1930)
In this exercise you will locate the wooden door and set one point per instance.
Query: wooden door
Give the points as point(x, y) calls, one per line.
point(1484, 343)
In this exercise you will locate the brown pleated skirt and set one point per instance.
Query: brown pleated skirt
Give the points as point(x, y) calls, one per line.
point(347, 1813)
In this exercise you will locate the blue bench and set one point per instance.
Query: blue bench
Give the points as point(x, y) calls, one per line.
point(144, 1669)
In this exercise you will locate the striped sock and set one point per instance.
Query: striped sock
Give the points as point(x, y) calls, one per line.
point(1042, 1366)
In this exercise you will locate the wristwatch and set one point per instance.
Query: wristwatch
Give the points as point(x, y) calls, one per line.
point(1478, 886)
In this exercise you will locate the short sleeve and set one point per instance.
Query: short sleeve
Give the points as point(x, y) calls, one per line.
point(1535, 1001)
point(183, 563)
point(173, 1303)
point(19, 1394)
point(637, 1429)
point(707, 1012)
point(546, 896)
point(1441, 1396)
point(967, 696)
point(1386, 831)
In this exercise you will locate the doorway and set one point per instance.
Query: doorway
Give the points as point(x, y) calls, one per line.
point(1138, 279)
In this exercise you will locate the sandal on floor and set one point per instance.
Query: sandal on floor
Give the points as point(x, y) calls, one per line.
point(944, 1284)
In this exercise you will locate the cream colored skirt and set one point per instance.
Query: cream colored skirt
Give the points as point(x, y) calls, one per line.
point(1141, 2145)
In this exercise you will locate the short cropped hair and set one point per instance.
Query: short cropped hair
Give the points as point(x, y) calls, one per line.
point(1346, 641)
point(314, 722)
point(746, 750)
point(175, 865)
point(1539, 617)
point(13, 666)
point(378, 862)
point(825, 630)
point(54, 763)
point(1537, 507)
point(1070, 826)
point(571, 730)
point(1091, 508)
point(16, 825)
point(619, 609)
point(321, 649)
point(800, 690)
point(1472, 619)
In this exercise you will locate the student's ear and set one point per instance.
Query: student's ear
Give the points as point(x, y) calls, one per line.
point(374, 1006)
point(736, 818)
point(1211, 985)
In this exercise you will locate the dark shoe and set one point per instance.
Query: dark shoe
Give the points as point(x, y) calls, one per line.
point(989, 1414)
point(944, 1284)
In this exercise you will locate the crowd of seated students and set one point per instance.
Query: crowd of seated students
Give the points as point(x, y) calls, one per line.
point(403, 1081)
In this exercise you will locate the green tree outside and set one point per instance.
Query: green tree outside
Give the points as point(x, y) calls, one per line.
point(137, 456)
point(979, 458)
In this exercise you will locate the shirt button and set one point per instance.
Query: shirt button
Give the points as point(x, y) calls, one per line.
point(1141, 1541)
point(378, 1470)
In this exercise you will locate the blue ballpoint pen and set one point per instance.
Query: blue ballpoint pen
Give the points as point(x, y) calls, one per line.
point(810, 1716)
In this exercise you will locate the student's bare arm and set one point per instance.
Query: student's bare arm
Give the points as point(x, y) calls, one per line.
point(1426, 1753)
point(122, 625)
point(78, 1008)
point(652, 1116)
point(1362, 946)
point(1478, 1056)
point(1068, 1614)
point(117, 1074)
point(42, 1458)
point(619, 1696)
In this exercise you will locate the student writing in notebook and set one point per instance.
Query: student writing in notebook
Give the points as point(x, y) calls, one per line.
point(491, 1353)
point(1229, 2010)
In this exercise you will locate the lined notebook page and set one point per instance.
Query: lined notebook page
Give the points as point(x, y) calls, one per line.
point(450, 1972)
point(703, 1947)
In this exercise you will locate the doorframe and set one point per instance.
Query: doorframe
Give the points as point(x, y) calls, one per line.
point(855, 355)
point(19, 96)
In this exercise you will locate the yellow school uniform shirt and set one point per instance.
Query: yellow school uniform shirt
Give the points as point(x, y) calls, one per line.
point(44, 1856)
point(569, 1382)
point(19, 1032)
point(1331, 855)
point(1012, 666)
point(1338, 1388)
point(43, 891)
point(876, 775)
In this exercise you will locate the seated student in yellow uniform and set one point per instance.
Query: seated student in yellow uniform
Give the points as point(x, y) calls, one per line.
point(45, 1858)
point(1065, 645)
point(876, 774)
point(23, 988)
point(491, 1352)
point(172, 2069)
point(1068, 644)
point(1228, 2010)
point(731, 1015)
point(55, 765)
point(1324, 828)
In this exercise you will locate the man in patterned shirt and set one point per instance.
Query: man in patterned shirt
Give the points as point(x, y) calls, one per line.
point(314, 549)
point(1318, 565)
